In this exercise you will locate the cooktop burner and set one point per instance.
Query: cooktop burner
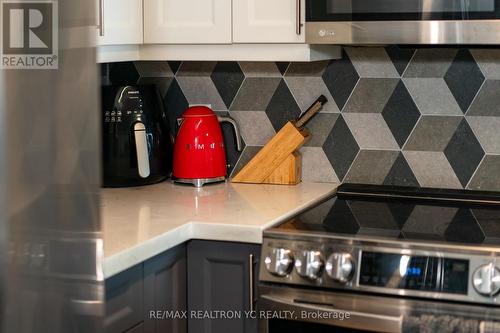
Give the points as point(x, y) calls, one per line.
point(395, 213)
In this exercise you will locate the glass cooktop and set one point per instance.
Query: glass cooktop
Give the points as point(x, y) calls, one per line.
point(396, 213)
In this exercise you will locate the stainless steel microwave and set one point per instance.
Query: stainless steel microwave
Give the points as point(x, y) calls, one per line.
point(475, 22)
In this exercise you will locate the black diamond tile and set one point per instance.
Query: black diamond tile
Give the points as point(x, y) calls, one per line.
point(464, 228)
point(401, 211)
point(341, 148)
point(464, 152)
point(400, 57)
point(464, 78)
point(401, 174)
point(340, 219)
point(174, 65)
point(227, 78)
point(401, 114)
point(232, 153)
point(123, 73)
point(340, 77)
point(175, 104)
point(282, 107)
point(282, 66)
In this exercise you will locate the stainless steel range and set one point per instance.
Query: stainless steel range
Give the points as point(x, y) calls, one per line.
point(391, 259)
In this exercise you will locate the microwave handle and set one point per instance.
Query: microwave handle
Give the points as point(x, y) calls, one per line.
point(357, 320)
point(141, 148)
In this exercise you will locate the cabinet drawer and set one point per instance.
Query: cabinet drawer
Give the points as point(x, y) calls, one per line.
point(124, 300)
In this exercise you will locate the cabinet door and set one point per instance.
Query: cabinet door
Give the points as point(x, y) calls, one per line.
point(187, 21)
point(137, 329)
point(264, 21)
point(165, 290)
point(121, 22)
point(220, 278)
point(124, 307)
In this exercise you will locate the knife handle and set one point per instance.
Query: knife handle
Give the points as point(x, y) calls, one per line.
point(311, 111)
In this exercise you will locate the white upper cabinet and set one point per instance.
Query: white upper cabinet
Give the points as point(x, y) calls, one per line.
point(268, 21)
point(187, 21)
point(120, 22)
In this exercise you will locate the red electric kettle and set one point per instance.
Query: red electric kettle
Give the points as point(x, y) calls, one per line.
point(199, 154)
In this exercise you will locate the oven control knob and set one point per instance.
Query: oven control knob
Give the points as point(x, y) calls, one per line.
point(279, 261)
point(486, 280)
point(309, 264)
point(340, 267)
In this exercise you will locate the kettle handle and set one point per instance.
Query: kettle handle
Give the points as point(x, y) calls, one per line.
point(236, 130)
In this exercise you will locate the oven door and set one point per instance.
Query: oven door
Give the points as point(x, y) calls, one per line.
point(294, 310)
point(403, 21)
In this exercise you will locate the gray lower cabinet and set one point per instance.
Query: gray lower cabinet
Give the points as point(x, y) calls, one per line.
point(165, 290)
point(221, 277)
point(157, 284)
point(124, 301)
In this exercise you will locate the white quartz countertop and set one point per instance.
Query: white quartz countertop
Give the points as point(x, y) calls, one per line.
point(141, 222)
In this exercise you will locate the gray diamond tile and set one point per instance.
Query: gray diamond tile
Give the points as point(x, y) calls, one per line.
point(201, 90)
point(370, 95)
point(464, 78)
point(464, 152)
point(371, 166)
point(260, 69)
point(401, 174)
point(489, 62)
point(370, 131)
point(307, 89)
point(153, 69)
point(400, 57)
point(320, 127)
point(340, 78)
point(487, 131)
point(196, 68)
point(372, 62)
point(487, 177)
point(432, 62)
point(432, 96)
point(487, 101)
point(255, 94)
point(246, 155)
point(340, 147)
point(282, 107)
point(488, 220)
point(432, 133)
point(316, 167)
point(401, 114)
point(432, 169)
point(227, 77)
point(255, 127)
point(439, 218)
point(315, 68)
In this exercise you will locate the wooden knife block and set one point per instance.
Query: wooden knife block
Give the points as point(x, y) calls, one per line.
point(279, 161)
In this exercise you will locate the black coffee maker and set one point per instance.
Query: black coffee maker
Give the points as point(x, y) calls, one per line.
point(137, 145)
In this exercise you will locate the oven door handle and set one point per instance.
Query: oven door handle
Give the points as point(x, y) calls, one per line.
point(357, 320)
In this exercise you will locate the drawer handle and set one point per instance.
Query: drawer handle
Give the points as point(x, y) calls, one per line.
point(298, 25)
point(251, 282)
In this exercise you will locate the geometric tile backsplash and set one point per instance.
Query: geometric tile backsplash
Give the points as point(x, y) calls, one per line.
point(425, 117)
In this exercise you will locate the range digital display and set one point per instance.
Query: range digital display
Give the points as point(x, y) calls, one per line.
point(423, 273)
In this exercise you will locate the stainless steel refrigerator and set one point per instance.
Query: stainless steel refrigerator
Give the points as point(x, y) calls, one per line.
point(50, 234)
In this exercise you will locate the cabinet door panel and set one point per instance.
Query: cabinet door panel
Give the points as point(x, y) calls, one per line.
point(219, 279)
point(124, 300)
point(264, 21)
point(137, 329)
point(165, 290)
point(122, 22)
point(187, 21)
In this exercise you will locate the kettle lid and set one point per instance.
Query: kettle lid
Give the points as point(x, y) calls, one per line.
point(198, 111)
